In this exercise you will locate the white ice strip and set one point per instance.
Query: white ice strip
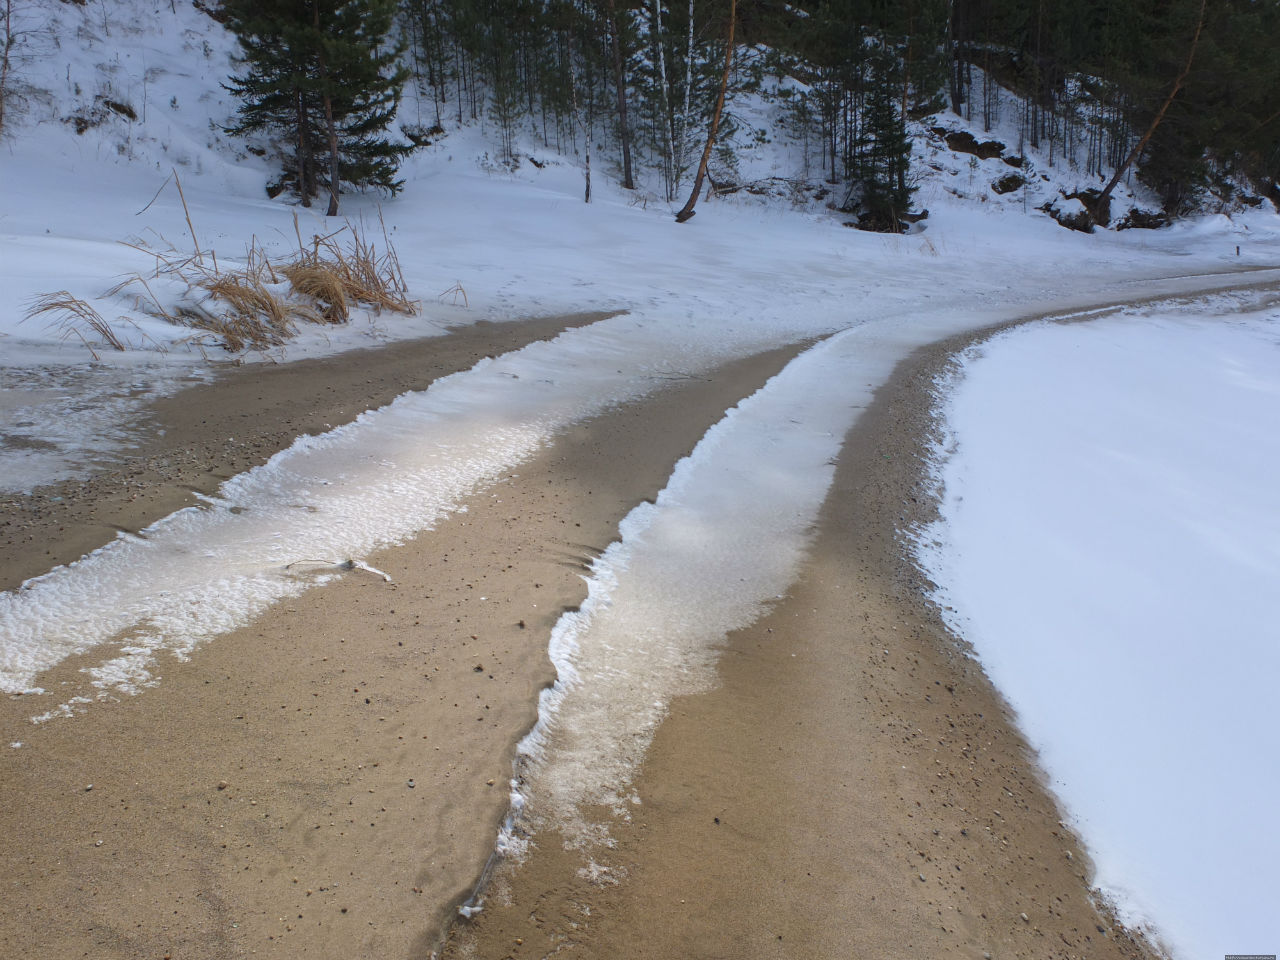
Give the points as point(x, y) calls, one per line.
point(1110, 544)
point(394, 472)
point(722, 541)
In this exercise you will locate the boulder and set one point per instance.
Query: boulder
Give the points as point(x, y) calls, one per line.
point(1009, 183)
point(963, 142)
point(1071, 213)
point(1142, 220)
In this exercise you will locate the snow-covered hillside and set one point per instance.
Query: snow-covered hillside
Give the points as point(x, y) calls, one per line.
point(115, 101)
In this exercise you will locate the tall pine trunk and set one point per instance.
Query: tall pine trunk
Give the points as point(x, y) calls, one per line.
point(682, 135)
point(329, 126)
point(305, 187)
point(687, 211)
point(578, 124)
point(620, 81)
point(669, 173)
point(7, 41)
point(955, 75)
point(332, 129)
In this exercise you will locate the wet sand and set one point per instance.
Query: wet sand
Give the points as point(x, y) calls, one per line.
point(854, 787)
point(328, 781)
point(196, 439)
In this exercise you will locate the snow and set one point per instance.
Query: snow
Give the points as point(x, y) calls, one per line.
point(345, 494)
point(720, 542)
point(1109, 542)
point(748, 273)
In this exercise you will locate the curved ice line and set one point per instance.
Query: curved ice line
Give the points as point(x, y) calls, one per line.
point(723, 540)
point(376, 482)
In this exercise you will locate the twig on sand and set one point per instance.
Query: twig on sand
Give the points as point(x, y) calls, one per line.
point(348, 564)
point(679, 376)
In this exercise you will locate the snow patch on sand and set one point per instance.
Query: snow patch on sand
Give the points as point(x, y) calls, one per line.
point(1109, 542)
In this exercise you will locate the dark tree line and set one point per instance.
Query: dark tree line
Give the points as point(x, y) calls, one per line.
point(641, 78)
point(644, 74)
point(1102, 70)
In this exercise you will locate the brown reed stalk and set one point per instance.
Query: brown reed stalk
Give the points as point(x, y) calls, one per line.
point(69, 313)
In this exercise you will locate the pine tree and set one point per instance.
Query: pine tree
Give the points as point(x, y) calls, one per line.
point(321, 74)
point(880, 161)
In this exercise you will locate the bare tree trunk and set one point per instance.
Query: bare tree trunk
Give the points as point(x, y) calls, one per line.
point(1103, 202)
point(586, 128)
point(620, 81)
point(668, 120)
point(304, 153)
point(953, 46)
point(6, 45)
point(687, 211)
point(333, 157)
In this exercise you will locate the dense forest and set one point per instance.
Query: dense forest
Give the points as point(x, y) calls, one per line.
point(1181, 94)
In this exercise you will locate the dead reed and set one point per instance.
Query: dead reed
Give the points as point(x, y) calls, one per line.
point(255, 304)
point(70, 314)
point(455, 292)
point(259, 303)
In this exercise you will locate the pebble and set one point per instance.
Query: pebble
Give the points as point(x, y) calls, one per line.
point(222, 784)
point(1024, 918)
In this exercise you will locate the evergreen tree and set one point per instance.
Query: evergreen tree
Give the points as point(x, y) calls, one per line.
point(880, 159)
point(321, 74)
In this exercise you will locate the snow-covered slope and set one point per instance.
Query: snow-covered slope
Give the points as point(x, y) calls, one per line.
point(117, 103)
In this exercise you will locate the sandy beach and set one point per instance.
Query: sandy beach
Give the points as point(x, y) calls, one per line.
point(854, 787)
point(328, 781)
point(431, 545)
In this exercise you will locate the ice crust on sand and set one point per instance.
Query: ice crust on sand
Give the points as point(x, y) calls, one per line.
point(723, 539)
point(390, 474)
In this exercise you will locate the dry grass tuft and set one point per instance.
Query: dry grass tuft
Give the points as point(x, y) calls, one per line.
point(259, 304)
point(321, 285)
point(365, 275)
point(70, 314)
point(235, 333)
